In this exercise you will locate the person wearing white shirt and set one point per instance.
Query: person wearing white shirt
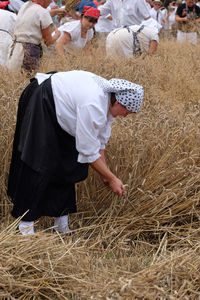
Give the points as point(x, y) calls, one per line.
point(156, 13)
point(7, 24)
point(103, 27)
point(55, 8)
point(169, 26)
point(170, 19)
point(63, 124)
point(32, 26)
point(15, 5)
point(126, 12)
point(132, 40)
point(105, 23)
point(76, 35)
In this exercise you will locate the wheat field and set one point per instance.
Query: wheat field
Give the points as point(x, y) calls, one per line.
point(143, 246)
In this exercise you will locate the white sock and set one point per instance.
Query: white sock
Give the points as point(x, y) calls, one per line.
point(61, 224)
point(26, 227)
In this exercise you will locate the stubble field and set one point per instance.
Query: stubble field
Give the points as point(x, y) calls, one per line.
point(143, 246)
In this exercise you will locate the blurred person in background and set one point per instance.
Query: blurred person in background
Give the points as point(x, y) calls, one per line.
point(188, 19)
point(126, 12)
point(132, 41)
point(103, 26)
point(55, 8)
point(31, 27)
point(198, 3)
point(77, 34)
point(15, 5)
point(7, 23)
point(149, 3)
point(157, 13)
point(170, 23)
point(63, 124)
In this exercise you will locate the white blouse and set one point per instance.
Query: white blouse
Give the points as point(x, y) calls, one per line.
point(7, 23)
point(82, 110)
point(126, 12)
point(158, 15)
point(31, 20)
point(104, 24)
point(74, 29)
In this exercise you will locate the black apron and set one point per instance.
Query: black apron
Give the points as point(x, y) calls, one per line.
point(44, 167)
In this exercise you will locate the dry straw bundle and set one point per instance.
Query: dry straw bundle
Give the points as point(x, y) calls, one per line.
point(70, 4)
point(143, 246)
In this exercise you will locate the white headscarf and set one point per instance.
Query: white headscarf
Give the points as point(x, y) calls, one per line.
point(127, 93)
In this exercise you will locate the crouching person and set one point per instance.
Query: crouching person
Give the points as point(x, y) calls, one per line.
point(60, 131)
point(130, 41)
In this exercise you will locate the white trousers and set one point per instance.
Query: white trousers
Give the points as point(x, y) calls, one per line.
point(190, 37)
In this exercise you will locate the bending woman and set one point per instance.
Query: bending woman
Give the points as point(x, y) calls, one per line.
point(60, 131)
point(75, 35)
point(32, 26)
point(132, 40)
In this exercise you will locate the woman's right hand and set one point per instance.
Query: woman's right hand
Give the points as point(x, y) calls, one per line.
point(117, 186)
point(108, 177)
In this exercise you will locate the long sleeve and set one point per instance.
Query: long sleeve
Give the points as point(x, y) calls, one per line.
point(106, 8)
point(92, 132)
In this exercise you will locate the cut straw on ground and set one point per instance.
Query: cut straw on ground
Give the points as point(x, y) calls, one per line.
point(144, 245)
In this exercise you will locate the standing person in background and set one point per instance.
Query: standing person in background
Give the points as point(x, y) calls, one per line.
point(76, 35)
point(15, 5)
point(55, 8)
point(103, 26)
point(32, 26)
point(169, 27)
point(188, 18)
point(156, 12)
point(126, 12)
point(63, 125)
point(149, 3)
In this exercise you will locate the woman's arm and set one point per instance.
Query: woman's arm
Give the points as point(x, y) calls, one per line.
point(115, 183)
point(153, 47)
point(64, 40)
point(48, 39)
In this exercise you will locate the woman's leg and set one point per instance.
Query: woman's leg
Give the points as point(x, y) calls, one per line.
point(26, 227)
point(61, 224)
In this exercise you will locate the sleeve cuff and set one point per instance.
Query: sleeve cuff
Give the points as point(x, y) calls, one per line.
point(88, 159)
point(103, 147)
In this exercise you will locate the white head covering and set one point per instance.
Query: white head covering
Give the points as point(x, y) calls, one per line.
point(127, 93)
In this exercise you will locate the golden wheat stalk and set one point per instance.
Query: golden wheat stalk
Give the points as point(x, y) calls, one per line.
point(70, 4)
point(68, 7)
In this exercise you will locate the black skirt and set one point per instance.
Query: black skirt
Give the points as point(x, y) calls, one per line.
point(44, 167)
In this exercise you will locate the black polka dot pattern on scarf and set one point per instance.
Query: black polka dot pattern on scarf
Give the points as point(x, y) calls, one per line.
point(127, 93)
